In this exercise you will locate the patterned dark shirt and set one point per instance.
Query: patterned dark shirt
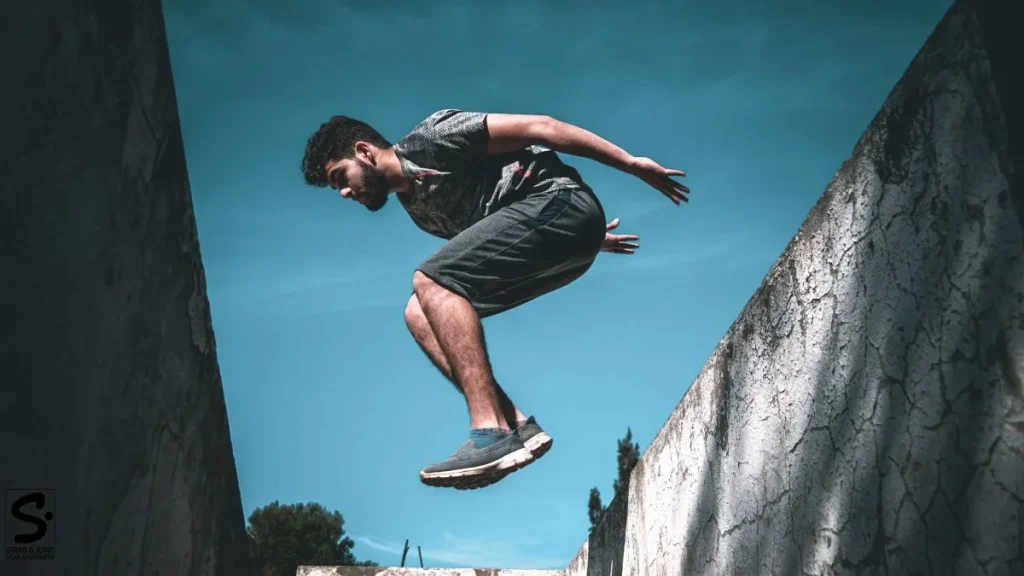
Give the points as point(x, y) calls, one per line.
point(456, 183)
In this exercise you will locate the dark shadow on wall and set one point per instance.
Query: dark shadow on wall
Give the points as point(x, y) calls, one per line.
point(1002, 41)
point(926, 396)
point(607, 541)
point(112, 392)
point(701, 536)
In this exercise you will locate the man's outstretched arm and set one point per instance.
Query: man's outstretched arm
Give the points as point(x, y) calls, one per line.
point(508, 132)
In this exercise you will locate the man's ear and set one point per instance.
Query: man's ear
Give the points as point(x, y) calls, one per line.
point(365, 151)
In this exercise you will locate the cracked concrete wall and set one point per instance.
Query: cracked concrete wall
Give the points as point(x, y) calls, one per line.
point(111, 389)
point(603, 551)
point(865, 412)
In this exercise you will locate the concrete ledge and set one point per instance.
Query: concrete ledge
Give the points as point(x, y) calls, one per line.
point(380, 571)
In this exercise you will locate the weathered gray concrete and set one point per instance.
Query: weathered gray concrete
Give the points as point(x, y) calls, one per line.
point(865, 413)
point(372, 571)
point(111, 390)
point(602, 553)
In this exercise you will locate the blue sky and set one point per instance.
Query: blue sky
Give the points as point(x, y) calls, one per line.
point(329, 398)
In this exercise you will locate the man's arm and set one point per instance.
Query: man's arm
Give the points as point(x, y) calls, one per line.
point(510, 132)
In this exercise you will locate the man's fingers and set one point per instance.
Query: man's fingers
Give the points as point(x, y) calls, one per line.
point(667, 179)
point(665, 186)
point(677, 185)
point(626, 245)
point(676, 191)
point(612, 225)
point(618, 246)
point(621, 237)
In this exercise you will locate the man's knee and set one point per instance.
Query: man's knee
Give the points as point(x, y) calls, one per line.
point(426, 288)
point(429, 292)
point(414, 317)
point(421, 283)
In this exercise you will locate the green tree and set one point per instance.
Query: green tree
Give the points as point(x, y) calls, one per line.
point(628, 454)
point(594, 508)
point(284, 537)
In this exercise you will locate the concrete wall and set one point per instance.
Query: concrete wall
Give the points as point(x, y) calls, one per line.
point(111, 391)
point(602, 553)
point(865, 413)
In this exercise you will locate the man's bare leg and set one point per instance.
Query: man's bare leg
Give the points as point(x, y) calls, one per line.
point(421, 331)
point(448, 330)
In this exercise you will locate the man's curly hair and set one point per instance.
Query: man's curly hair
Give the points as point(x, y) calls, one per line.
point(334, 140)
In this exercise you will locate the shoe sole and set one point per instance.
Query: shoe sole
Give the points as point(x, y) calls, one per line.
point(538, 445)
point(479, 476)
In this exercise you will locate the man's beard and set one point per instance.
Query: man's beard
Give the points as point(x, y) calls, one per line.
point(375, 188)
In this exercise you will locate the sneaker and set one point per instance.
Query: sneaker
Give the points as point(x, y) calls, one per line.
point(475, 467)
point(534, 438)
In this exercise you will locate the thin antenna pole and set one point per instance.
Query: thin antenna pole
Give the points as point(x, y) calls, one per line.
point(420, 552)
point(405, 551)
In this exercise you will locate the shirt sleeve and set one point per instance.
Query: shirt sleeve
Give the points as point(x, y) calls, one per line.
point(447, 140)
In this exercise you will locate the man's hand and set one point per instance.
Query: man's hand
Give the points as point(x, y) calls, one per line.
point(618, 243)
point(660, 178)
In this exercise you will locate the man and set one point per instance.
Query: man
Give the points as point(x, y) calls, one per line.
point(519, 224)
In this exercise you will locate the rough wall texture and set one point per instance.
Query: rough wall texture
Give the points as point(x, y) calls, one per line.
point(111, 390)
point(603, 551)
point(372, 571)
point(865, 413)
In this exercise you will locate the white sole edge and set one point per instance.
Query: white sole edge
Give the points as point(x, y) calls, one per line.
point(504, 463)
point(538, 441)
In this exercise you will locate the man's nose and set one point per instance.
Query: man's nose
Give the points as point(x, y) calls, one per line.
point(346, 193)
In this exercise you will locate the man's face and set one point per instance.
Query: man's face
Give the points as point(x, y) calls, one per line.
point(359, 180)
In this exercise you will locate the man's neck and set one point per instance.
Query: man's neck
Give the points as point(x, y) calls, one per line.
point(391, 167)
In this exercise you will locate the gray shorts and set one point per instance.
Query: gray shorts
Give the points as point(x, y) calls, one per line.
point(523, 250)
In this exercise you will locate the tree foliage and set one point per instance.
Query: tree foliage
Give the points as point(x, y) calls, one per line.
point(283, 537)
point(628, 454)
point(594, 508)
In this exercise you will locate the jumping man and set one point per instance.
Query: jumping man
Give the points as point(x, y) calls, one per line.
point(519, 224)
